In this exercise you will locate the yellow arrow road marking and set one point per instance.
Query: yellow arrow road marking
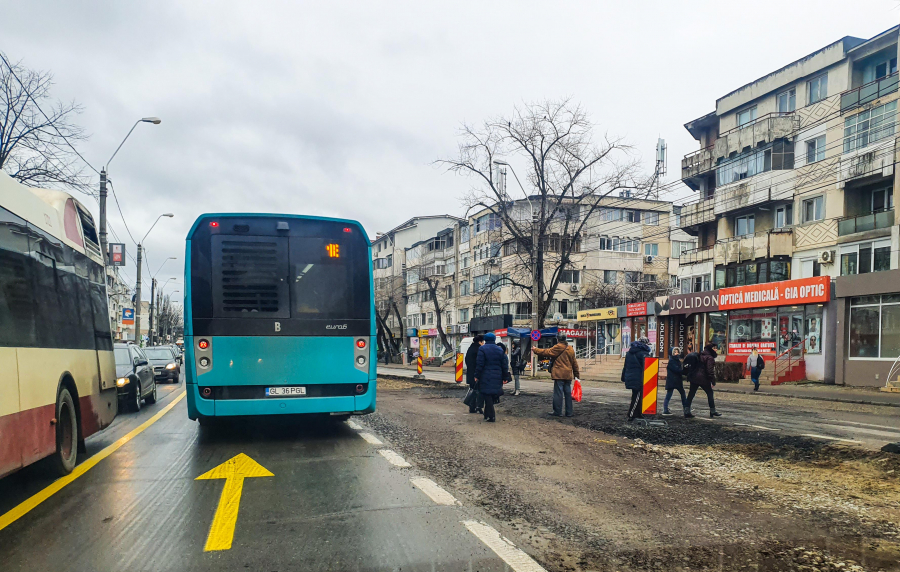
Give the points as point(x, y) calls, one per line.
point(234, 471)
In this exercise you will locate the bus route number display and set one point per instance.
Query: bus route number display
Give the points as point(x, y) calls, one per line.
point(333, 250)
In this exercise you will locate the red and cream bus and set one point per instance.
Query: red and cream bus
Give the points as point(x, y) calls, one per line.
point(57, 367)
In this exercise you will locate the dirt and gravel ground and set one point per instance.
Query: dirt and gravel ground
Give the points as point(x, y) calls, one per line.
point(594, 493)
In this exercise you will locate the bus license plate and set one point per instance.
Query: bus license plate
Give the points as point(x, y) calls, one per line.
point(285, 391)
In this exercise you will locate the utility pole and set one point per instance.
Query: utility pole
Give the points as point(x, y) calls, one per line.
point(137, 298)
point(103, 248)
point(535, 283)
point(152, 300)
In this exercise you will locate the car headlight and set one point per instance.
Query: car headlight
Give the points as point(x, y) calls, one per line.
point(122, 382)
point(170, 366)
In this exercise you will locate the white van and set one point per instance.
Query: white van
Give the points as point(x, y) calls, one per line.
point(464, 347)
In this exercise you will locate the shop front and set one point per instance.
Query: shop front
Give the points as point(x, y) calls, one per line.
point(868, 327)
point(639, 321)
point(777, 318)
point(602, 325)
point(692, 321)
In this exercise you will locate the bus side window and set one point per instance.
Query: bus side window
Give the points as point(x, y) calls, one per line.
point(17, 307)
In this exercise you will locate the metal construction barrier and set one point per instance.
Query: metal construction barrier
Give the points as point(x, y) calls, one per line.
point(459, 368)
point(651, 383)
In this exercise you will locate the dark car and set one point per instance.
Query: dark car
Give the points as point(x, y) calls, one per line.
point(134, 377)
point(165, 364)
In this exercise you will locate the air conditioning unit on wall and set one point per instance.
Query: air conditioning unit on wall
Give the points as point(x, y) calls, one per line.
point(573, 288)
point(648, 259)
point(826, 257)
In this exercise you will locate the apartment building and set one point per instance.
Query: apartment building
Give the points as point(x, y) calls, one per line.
point(480, 275)
point(389, 260)
point(119, 298)
point(796, 183)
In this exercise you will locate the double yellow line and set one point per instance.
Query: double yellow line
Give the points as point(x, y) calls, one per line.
point(26, 506)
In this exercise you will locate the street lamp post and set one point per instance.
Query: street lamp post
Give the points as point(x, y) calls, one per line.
point(103, 247)
point(535, 279)
point(137, 286)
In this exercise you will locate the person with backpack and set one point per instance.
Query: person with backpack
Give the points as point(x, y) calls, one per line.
point(702, 374)
point(633, 375)
point(755, 363)
point(674, 381)
point(563, 369)
point(518, 364)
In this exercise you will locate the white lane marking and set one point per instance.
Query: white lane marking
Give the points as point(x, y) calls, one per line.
point(890, 434)
point(764, 428)
point(436, 493)
point(354, 425)
point(394, 458)
point(826, 437)
point(865, 424)
point(515, 558)
point(599, 402)
point(371, 439)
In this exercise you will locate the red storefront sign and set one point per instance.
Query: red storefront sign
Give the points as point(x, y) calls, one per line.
point(736, 348)
point(571, 333)
point(636, 309)
point(500, 333)
point(786, 293)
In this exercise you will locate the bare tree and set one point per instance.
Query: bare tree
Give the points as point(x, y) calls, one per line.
point(599, 294)
point(170, 318)
point(432, 280)
point(389, 293)
point(567, 174)
point(37, 133)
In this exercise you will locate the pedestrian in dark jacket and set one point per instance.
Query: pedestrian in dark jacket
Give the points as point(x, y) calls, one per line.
point(563, 370)
point(704, 378)
point(471, 360)
point(674, 381)
point(517, 363)
point(491, 365)
point(633, 375)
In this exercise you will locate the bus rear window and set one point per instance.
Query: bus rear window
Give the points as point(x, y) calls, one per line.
point(328, 279)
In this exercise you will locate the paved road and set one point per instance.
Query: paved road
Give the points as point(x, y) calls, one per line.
point(869, 426)
point(335, 501)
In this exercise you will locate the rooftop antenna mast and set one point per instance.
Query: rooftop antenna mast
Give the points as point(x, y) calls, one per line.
point(660, 170)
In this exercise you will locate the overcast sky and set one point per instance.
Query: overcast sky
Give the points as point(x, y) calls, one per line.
point(340, 108)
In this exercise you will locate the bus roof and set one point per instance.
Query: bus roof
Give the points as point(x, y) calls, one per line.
point(207, 216)
point(46, 209)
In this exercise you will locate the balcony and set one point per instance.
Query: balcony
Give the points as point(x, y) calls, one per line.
point(753, 246)
point(866, 222)
point(697, 255)
point(869, 92)
point(763, 130)
point(697, 213)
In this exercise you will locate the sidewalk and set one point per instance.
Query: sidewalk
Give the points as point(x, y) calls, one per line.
point(808, 390)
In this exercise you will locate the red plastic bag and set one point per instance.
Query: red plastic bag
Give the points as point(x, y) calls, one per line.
point(576, 390)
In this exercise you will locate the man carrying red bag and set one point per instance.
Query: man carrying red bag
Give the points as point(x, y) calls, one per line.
point(563, 369)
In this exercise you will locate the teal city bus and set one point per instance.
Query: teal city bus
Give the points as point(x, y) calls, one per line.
point(279, 317)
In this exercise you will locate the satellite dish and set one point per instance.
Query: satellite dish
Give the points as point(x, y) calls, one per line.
point(557, 317)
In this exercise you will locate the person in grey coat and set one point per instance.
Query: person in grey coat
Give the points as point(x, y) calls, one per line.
point(674, 381)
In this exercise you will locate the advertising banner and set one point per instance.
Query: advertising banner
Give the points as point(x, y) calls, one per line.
point(116, 254)
point(786, 293)
point(737, 348)
point(636, 309)
point(128, 316)
point(598, 314)
point(573, 333)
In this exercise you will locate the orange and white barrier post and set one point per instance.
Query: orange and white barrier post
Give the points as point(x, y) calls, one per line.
point(651, 383)
point(459, 367)
point(419, 365)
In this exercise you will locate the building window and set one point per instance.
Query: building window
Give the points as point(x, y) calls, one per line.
point(609, 276)
point(610, 214)
point(463, 315)
point(784, 216)
point(750, 273)
point(632, 277)
point(697, 284)
point(787, 101)
point(679, 246)
point(490, 221)
point(817, 88)
point(650, 278)
point(815, 149)
point(464, 288)
point(632, 216)
point(866, 257)
point(570, 276)
point(875, 326)
point(810, 268)
point(746, 116)
point(449, 293)
point(778, 155)
point(744, 225)
point(464, 233)
point(651, 249)
point(879, 69)
point(882, 199)
point(519, 310)
point(869, 126)
point(813, 209)
point(651, 218)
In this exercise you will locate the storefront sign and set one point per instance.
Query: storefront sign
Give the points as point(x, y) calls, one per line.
point(572, 333)
point(413, 342)
point(598, 314)
point(636, 309)
point(412, 332)
point(746, 347)
point(464, 328)
point(432, 332)
point(693, 303)
point(786, 293)
point(500, 333)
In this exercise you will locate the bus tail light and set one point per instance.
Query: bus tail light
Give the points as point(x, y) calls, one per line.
point(203, 344)
point(361, 343)
point(360, 388)
point(206, 392)
point(214, 224)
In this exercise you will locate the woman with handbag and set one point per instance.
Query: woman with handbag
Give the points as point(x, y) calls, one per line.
point(492, 366)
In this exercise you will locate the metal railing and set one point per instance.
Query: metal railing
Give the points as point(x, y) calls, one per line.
point(862, 223)
point(869, 92)
point(795, 355)
point(695, 255)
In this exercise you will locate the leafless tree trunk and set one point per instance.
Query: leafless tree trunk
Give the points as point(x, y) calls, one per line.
point(564, 176)
point(37, 134)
